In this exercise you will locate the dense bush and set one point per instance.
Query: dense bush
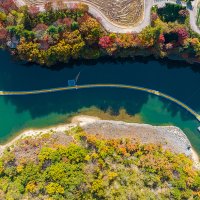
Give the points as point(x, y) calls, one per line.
point(172, 13)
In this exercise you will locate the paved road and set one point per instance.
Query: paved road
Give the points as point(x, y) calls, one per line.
point(192, 11)
point(112, 27)
point(193, 16)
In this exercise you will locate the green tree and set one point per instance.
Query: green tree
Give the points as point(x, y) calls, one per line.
point(149, 36)
point(91, 31)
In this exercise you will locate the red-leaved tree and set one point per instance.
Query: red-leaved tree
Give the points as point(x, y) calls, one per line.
point(3, 35)
point(33, 10)
point(105, 42)
point(8, 5)
point(182, 35)
point(161, 39)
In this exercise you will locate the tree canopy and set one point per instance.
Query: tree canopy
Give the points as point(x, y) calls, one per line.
point(93, 167)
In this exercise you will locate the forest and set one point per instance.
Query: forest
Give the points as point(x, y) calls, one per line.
point(89, 166)
point(62, 34)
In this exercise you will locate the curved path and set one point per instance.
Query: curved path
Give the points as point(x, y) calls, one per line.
point(113, 27)
point(193, 10)
point(193, 16)
point(157, 93)
point(105, 21)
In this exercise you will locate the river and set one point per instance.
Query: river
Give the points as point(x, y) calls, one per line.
point(177, 79)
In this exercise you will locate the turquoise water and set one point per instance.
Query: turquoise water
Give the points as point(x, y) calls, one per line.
point(176, 79)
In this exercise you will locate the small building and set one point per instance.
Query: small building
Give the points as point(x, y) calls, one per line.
point(13, 42)
point(71, 83)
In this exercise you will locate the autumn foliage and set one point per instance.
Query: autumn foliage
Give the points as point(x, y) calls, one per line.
point(28, 28)
point(105, 42)
point(89, 166)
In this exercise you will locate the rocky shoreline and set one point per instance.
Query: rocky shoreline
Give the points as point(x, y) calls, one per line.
point(169, 137)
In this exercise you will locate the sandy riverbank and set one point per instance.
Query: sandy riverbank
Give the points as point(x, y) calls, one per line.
point(77, 120)
point(169, 137)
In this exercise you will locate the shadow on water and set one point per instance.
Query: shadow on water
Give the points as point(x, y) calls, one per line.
point(169, 63)
point(175, 78)
point(72, 101)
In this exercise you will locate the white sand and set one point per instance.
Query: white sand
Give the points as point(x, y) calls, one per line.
point(195, 159)
point(84, 120)
point(76, 121)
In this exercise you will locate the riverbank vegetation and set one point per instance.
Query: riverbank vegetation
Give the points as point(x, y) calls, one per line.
point(76, 165)
point(58, 35)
